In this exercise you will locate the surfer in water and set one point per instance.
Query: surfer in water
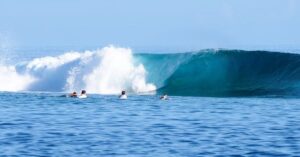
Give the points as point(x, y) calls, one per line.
point(73, 95)
point(83, 94)
point(164, 97)
point(123, 95)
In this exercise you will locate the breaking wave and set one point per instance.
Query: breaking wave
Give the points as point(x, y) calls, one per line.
point(226, 73)
point(105, 71)
point(204, 73)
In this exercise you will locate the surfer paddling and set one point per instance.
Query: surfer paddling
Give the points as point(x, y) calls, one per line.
point(83, 94)
point(164, 97)
point(73, 95)
point(123, 95)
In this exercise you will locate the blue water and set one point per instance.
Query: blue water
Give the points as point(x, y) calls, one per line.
point(216, 73)
point(45, 124)
point(247, 103)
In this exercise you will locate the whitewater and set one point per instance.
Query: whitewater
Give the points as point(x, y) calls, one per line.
point(112, 69)
point(104, 71)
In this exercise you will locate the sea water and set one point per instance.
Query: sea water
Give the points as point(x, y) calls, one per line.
point(112, 69)
point(221, 103)
point(47, 124)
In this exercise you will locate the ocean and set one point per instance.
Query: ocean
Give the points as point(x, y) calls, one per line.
point(221, 103)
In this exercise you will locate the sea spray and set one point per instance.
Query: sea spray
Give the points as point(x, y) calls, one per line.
point(11, 80)
point(109, 71)
point(104, 71)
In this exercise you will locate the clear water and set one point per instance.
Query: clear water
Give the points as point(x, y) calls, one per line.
point(45, 124)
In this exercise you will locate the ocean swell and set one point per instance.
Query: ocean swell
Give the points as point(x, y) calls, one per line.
point(205, 73)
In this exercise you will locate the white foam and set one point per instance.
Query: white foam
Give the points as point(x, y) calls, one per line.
point(113, 70)
point(105, 71)
point(11, 80)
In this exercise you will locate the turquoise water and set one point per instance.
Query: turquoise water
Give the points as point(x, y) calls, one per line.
point(45, 124)
point(215, 73)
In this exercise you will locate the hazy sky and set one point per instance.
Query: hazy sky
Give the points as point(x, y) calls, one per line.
point(151, 24)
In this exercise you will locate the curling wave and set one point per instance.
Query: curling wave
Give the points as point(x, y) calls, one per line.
point(204, 73)
point(226, 73)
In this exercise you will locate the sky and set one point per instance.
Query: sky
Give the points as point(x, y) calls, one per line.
point(153, 25)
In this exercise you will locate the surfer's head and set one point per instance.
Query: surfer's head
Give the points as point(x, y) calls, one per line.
point(73, 94)
point(83, 92)
point(123, 92)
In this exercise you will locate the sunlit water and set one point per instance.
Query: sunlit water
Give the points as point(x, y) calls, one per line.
point(45, 124)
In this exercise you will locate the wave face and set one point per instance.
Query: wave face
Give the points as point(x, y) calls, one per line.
point(204, 73)
point(227, 73)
